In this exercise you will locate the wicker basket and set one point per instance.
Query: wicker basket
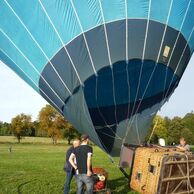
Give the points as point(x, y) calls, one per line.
point(162, 171)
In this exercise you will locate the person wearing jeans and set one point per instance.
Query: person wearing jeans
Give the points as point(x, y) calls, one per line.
point(70, 172)
point(83, 165)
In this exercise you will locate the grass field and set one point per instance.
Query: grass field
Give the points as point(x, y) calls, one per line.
point(36, 167)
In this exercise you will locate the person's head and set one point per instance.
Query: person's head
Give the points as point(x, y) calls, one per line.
point(85, 139)
point(182, 141)
point(76, 143)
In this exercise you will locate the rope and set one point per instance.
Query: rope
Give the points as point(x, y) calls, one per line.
point(152, 132)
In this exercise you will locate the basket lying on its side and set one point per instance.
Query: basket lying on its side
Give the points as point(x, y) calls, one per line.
point(162, 171)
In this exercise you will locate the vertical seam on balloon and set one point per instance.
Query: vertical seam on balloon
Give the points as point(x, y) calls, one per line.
point(175, 47)
point(109, 56)
point(184, 50)
point(31, 64)
point(109, 22)
point(156, 63)
point(179, 63)
point(90, 121)
point(143, 55)
point(112, 21)
point(126, 15)
point(103, 145)
point(159, 53)
point(73, 65)
point(83, 33)
point(127, 59)
point(29, 78)
point(102, 116)
point(37, 45)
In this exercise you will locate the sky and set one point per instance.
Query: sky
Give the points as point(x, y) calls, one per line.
point(17, 97)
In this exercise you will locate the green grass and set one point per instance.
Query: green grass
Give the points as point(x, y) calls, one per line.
point(38, 169)
point(31, 140)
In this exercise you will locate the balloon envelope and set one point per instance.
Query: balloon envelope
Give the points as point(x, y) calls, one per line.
point(107, 66)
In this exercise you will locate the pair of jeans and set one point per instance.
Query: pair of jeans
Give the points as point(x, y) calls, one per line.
point(69, 176)
point(83, 179)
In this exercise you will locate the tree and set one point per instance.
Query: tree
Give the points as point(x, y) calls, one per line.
point(21, 126)
point(188, 135)
point(175, 128)
point(70, 133)
point(167, 121)
point(5, 128)
point(55, 125)
point(51, 122)
point(160, 130)
point(188, 122)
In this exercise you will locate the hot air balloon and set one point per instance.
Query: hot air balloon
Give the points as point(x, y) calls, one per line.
point(108, 66)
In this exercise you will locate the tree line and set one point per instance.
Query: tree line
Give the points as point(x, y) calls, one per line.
point(51, 124)
point(172, 129)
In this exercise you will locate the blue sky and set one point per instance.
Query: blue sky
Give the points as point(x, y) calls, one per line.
point(17, 97)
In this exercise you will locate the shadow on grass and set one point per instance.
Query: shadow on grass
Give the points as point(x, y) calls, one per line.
point(22, 184)
point(120, 186)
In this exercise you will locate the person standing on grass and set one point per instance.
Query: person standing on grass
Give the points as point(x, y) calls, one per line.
point(70, 172)
point(83, 165)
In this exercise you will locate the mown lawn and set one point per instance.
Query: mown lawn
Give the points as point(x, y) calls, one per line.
point(38, 169)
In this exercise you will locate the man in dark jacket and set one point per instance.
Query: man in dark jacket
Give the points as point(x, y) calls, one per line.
point(83, 165)
point(70, 172)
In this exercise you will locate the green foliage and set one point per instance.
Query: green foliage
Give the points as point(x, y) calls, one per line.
point(70, 133)
point(5, 129)
point(188, 121)
point(160, 130)
point(172, 129)
point(188, 135)
point(175, 128)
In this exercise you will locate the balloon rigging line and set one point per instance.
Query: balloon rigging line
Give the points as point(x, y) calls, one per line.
point(103, 145)
point(33, 38)
point(101, 114)
point(164, 34)
point(179, 33)
point(153, 130)
point(57, 32)
point(159, 53)
point(143, 55)
point(127, 59)
point(90, 123)
point(28, 77)
point(73, 65)
point(83, 33)
point(126, 26)
point(109, 135)
point(137, 129)
point(30, 63)
point(156, 63)
point(109, 57)
point(191, 34)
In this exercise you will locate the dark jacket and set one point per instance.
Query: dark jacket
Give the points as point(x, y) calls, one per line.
point(68, 167)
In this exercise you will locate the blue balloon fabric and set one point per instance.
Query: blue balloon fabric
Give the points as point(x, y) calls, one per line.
point(108, 66)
